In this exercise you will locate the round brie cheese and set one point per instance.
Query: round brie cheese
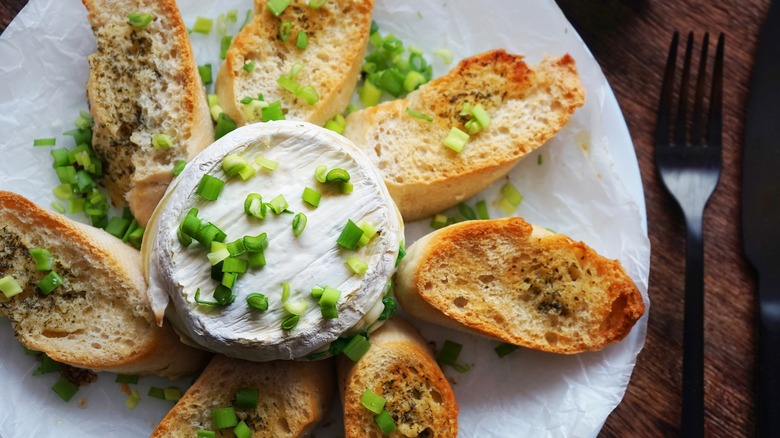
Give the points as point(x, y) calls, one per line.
point(312, 259)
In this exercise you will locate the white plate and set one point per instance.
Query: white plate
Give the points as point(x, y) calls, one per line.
point(576, 190)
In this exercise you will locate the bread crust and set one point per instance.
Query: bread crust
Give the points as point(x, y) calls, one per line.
point(528, 106)
point(293, 397)
point(508, 280)
point(337, 37)
point(152, 88)
point(103, 320)
point(400, 367)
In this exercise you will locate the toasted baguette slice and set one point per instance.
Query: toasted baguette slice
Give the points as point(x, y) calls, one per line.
point(293, 397)
point(143, 82)
point(399, 367)
point(519, 283)
point(99, 318)
point(337, 36)
point(527, 107)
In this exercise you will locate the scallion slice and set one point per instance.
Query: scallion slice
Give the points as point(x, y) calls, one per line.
point(224, 417)
point(369, 231)
point(337, 174)
point(178, 167)
point(48, 365)
point(224, 125)
point(229, 279)
point(266, 163)
point(444, 54)
point(357, 265)
point(210, 187)
point(285, 291)
point(58, 207)
point(418, 115)
point(224, 45)
point(257, 301)
point(389, 308)
point(373, 402)
point(133, 399)
point(482, 210)
point(139, 21)
point(337, 124)
point(298, 224)
point(320, 173)
point(277, 6)
point(505, 349)
point(311, 196)
point(481, 115)
point(203, 433)
point(44, 142)
point(249, 65)
point(316, 4)
point(369, 93)
point(202, 25)
point(290, 322)
point(448, 355)
point(127, 378)
point(65, 389)
point(44, 260)
point(256, 259)
point(205, 73)
point(330, 296)
point(232, 164)
point(172, 393)
point(278, 204)
point(316, 292)
point(331, 312)
point(308, 94)
point(273, 112)
point(439, 221)
point(386, 423)
point(456, 139)
point(511, 194)
point(256, 243)
point(350, 235)
point(202, 302)
point(254, 206)
point(295, 307)
point(117, 226)
point(356, 347)
point(285, 28)
point(302, 40)
point(466, 211)
point(156, 392)
point(50, 282)
point(224, 295)
point(234, 264)
point(242, 430)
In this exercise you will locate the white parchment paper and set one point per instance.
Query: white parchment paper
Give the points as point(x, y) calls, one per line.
point(575, 188)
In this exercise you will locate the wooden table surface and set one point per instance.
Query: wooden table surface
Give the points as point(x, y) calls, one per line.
point(630, 39)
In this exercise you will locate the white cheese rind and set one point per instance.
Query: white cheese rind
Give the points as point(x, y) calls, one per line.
point(311, 259)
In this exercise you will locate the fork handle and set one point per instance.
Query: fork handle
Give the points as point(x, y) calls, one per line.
point(693, 331)
point(768, 356)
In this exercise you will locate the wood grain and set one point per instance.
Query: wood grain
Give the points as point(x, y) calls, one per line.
point(630, 39)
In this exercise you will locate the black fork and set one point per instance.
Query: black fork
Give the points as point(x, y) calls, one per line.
point(689, 164)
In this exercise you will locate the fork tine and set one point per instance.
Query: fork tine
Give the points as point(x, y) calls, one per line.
point(662, 129)
point(682, 107)
point(715, 122)
point(698, 112)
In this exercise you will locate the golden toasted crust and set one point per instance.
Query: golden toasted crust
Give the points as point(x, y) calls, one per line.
point(527, 106)
point(400, 368)
point(337, 36)
point(143, 82)
point(99, 318)
point(293, 397)
point(509, 280)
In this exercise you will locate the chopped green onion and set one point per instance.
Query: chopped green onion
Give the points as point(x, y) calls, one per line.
point(389, 310)
point(256, 259)
point(29, 352)
point(445, 54)
point(285, 291)
point(285, 28)
point(466, 211)
point(295, 307)
point(456, 139)
point(253, 109)
point(277, 6)
point(50, 282)
point(233, 264)
point(299, 224)
point(127, 378)
point(504, 349)
point(346, 187)
point(156, 392)
point(172, 393)
point(482, 210)
point(229, 279)
point(357, 265)
point(511, 194)
point(247, 17)
point(236, 247)
point(203, 433)
point(202, 25)
point(369, 231)
point(58, 207)
point(539, 160)
point(161, 141)
point(203, 303)
point(209, 233)
point(60, 157)
point(63, 192)
point(288, 84)
point(418, 115)
point(210, 187)
point(242, 430)
point(308, 94)
point(205, 73)
point(256, 243)
point(266, 163)
point(65, 389)
point(290, 322)
point(320, 173)
point(385, 422)
point(439, 221)
point(316, 4)
point(302, 40)
point(329, 312)
point(215, 111)
point(139, 21)
point(249, 66)
point(44, 260)
point(316, 292)
point(232, 164)
point(373, 402)
point(481, 115)
point(257, 301)
point(224, 125)
point(337, 124)
point(224, 46)
point(278, 204)
point(44, 142)
point(273, 112)
point(337, 174)
point(117, 226)
point(178, 167)
point(213, 100)
point(254, 206)
point(413, 80)
point(330, 297)
point(448, 355)
point(48, 365)
point(224, 295)
point(311, 197)
point(224, 417)
point(350, 235)
point(369, 93)
point(133, 399)
point(472, 127)
point(356, 347)
point(222, 26)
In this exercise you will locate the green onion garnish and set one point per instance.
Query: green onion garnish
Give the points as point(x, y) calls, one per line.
point(203, 433)
point(290, 322)
point(482, 210)
point(139, 21)
point(254, 206)
point(320, 173)
point(58, 207)
point(337, 174)
point(445, 54)
point(236, 247)
point(448, 355)
point(389, 309)
point(285, 28)
point(201, 302)
point(210, 187)
point(233, 264)
point(256, 259)
point(330, 296)
point(246, 398)
point(215, 111)
point(172, 393)
point(205, 73)
point(418, 115)
point(466, 211)
point(316, 4)
point(224, 417)
point(249, 66)
point(161, 141)
point(299, 224)
point(350, 235)
point(277, 6)
point(178, 167)
point(50, 282)
point(285, 291)
point(127, 378)
point(385, 422)
point(356, 347)
point(504, 349)
point(224, 46)
point(510, 198)
point(242, 430)
point(273, 112)
point(357, 265)
point(229, 279)
point(329, 312)
point(266, 163)
point(439, 221)
point(311, 197)
point(224, 125)
point(372, 401)
point(302, 40)
point(256, 243)
point(202, 25)
point(48, 365)
point(257, 301)
point(337, 124)
point(133, 399)
point(481, 115)
point(224, 295)
point(295, 307)
point(539, 160)
point(117, 226)
point(65, 389)
point(308, 94)
point(44, 142)
point(456, 139)
point(156, 392)
point(369, 231)
point(316, 292)
point(44, 260)
point(369, 93)
point(278, 204)
point(232, 164)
